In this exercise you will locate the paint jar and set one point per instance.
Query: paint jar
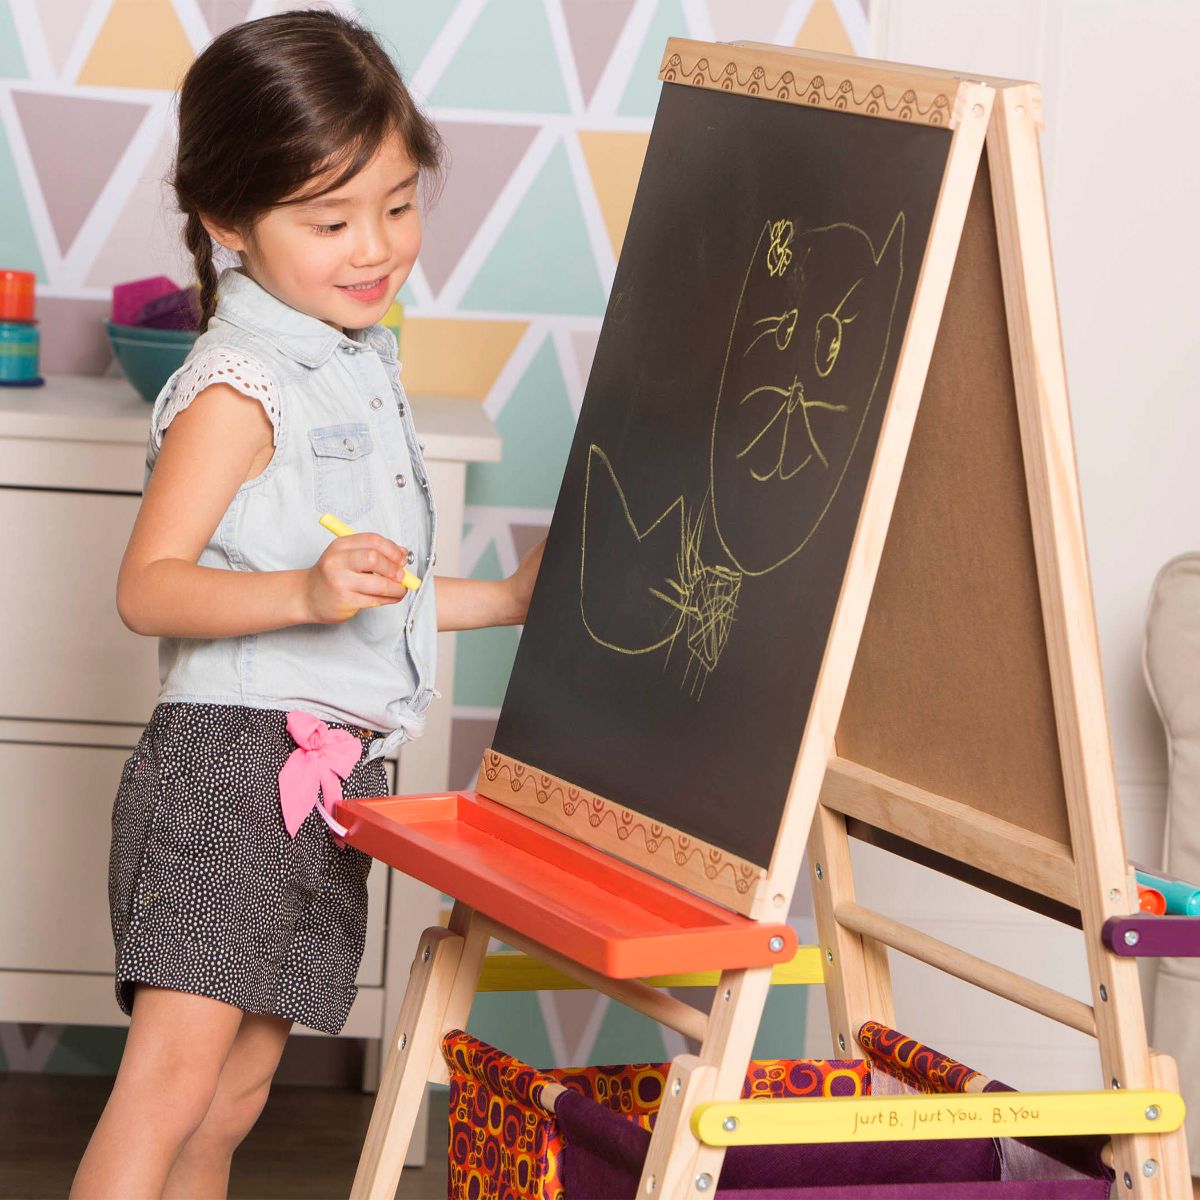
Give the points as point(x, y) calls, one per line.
point(19, 344)
point(16, 295)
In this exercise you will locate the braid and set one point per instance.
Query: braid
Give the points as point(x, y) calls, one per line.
point(199, 243)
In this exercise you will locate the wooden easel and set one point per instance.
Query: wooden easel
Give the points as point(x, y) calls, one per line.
point(1006, 781)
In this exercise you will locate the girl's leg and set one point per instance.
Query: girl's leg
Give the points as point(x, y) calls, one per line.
point(177, 1045)
point(202, 1169)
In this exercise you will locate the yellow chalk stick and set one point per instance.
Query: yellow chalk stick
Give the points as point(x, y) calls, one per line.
point(339, 528)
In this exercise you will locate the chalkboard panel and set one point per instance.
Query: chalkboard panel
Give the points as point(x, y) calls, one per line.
point(719, 463)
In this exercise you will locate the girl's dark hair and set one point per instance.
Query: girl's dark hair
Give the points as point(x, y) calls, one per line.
point(273, 103)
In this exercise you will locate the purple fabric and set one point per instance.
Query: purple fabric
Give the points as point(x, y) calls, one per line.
point(604, 1154)
point(1075, 1189)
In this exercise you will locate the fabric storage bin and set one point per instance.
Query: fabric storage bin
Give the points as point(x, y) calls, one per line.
point(587, 1136)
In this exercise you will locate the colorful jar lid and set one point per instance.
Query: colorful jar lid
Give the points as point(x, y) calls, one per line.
point(16, 295)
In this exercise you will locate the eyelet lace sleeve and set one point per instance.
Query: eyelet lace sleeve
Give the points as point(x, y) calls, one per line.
point(220, 365)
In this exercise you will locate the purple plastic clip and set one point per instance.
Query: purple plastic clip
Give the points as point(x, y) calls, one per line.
point(1141, 935)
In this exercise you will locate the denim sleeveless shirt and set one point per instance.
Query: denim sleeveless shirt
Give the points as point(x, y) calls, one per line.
point(345, 444)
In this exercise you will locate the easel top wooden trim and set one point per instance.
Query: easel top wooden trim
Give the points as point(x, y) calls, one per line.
point(862, 86)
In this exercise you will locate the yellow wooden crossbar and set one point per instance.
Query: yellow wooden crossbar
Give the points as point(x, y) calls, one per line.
point(918, 1118)
point(513, 972)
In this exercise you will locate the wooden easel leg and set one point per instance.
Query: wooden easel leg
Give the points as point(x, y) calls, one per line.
point(1172, 1155)
point(677, 1165)
point(1106, 884)
point(858, 983)
point(444, 976)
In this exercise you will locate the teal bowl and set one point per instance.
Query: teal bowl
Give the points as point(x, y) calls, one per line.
point(149, 356)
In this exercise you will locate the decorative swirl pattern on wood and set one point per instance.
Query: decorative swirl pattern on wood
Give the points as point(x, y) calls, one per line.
point(817, 90)
point(677, 852)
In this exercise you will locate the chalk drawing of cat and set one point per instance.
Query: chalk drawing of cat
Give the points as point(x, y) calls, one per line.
point(807, 345)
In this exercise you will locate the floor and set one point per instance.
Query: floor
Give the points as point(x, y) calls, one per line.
point(304, 1147)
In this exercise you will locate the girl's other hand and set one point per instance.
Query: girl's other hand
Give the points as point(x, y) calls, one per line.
point(363, 570)
point(521, 581)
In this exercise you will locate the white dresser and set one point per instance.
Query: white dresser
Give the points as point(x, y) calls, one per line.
point(76, 687)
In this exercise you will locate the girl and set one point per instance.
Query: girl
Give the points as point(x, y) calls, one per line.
point(236, 909)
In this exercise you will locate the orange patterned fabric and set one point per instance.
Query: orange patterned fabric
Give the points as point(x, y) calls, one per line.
point(918, 1065)
point(504, 1146)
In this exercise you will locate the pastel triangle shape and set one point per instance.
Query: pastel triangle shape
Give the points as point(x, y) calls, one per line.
point(482, 160)
point(823, 30)
point(142, 45)
point(512, 1020)
point(407, 30)
point(75, 144)
point(536, 425)
point(643, 89)
point(583, 345)
point(147, 236)
point(18, 245)
point(575, 1010)
point(735, 20)
point(542, 262)
point(434, 364)
point(60, 21)
point(508, 61)
point(626, 1036)
point(12, 60)
point(220, 15)
point(525, 537)
point(614, 162)
point(593, 27)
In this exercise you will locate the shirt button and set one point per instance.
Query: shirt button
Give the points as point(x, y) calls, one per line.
point(411, 624)
point(400, 481)
point(433, 558)
point(376, 403)
point(410, 557)
point(348, 443)
point(400, 408)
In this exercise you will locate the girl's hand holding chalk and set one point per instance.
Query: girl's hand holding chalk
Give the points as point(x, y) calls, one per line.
point(339, 528)
point(357, 571)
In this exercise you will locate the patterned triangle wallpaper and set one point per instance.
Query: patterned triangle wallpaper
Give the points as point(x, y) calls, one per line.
point(518, 260)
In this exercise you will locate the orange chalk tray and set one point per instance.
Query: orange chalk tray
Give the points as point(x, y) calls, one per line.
point(598, 911)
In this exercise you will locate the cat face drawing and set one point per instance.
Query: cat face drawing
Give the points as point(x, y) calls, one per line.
point(807, 347)
point(810, 334)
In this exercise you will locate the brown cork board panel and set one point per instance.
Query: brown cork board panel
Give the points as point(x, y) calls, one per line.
point(951, 687)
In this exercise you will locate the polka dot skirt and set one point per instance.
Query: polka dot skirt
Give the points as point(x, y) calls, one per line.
point(209, 894)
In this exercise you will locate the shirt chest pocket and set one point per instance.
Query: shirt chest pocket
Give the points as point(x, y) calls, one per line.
point(341, 469)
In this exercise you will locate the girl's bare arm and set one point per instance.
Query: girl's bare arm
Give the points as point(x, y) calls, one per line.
point(477, 603)
point(216, 443)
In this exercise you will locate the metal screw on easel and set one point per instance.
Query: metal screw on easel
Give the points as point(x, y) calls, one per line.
point(1150, 1168)
point(820, 873)
point(1132, 937)
point(729, 1124)
point(703, 1182)
point(425, 954)
point(776, 944)
point(841, 1041)
point(1128, 1180)
point(1103, 992)
point(1153, 1113)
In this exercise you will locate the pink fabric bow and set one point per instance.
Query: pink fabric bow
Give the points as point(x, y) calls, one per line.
point(314, 770)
